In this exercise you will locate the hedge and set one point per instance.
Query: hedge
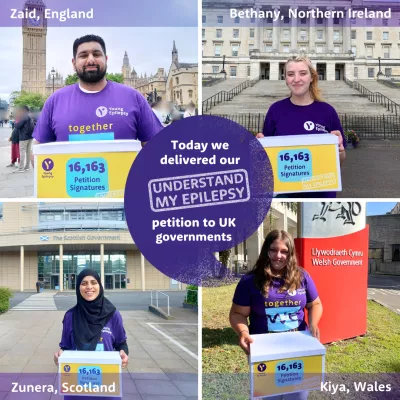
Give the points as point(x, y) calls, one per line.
point(191, 297)
point(5, 295)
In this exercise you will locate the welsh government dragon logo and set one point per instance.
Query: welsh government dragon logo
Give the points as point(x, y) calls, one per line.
point(345, 211)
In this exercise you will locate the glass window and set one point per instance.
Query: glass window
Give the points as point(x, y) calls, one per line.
point(220, 19)
point(355, 72)
point(237, 20)
point(252, 20)
point(267, 48)
point(236, 33)
point(233, 71)
point(177, 81)
point(286, 20)
point(320, 21)
point(371, 72)
point(336, 49)
point(369, 35)
point(385, 22)
point(203, 19)
point(286, 34)
point(370, 51)
point(215, 69)
point(353, 21)
point(248, 70)
point(395, 252)
point(388, 71)
point(203, 33)
point(354, 51)
point(385, 35)
point(268, 34)
point(286, 49)
point(303, 34)
point(336, 35)
point(269, 20)
point(217, 50)
point(190, 92)
point(320, 49)
point(386, 52)
point(219, 33)
point(251, 47)
point(369, 21)
point(235, 50)
point(303, 21)
point(320, 34)
point(336, 21)
point(252, 33)
point(354, 34)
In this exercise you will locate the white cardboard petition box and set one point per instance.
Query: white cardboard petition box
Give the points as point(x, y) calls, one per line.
point(285, 362)
point(90, 373)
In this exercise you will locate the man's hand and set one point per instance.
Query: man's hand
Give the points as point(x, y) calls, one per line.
point(244, 341)
point(314, 330)
point(124, 358)
point(259, 135)
point(57, 355)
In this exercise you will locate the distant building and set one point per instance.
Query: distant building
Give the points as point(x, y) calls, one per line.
point(395, 209)
point(3, 110)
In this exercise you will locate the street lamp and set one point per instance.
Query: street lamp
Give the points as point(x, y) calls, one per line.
point(379, 72)
point(53, 74)
point(223, 66)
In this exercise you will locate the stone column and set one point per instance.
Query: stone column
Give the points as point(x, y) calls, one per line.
point(274, 70)
point(258, 33)
point(61, 278)
point(346, 32)
point(311, 32)
point(142, 273)
point(294, 32)
point(103, 280)
point(329, 32)
point(330, 70)
point(276, 33)
point(21, 268)
point(254, 244)
point(285, 218)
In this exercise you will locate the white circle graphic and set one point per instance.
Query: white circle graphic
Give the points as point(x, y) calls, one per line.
point(101, 111)
point(309, 125)
point(292, 292)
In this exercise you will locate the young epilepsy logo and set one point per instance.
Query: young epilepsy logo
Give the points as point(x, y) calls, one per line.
point(309, 125)
point(190, 196)
point(101, 111)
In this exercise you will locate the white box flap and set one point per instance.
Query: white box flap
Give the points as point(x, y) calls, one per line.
point(299, 140)
point(90, 357)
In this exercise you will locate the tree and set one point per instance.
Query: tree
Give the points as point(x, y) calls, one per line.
point(71, 79)
point(34, 101)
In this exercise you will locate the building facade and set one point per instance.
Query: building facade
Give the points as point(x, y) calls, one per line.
point(395, 209)
point(53, 242)
point(338, 47)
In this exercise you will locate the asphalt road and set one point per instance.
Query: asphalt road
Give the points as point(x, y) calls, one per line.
point(5, 133)
point(386, 290)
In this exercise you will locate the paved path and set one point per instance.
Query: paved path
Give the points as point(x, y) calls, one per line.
point(372, 170)
point(161, 366)
point(386, 290)
point(12, 184)
point(39, 301)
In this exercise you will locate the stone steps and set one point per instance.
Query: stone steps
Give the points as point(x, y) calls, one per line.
point(374, 86)
point(258, 99)
point(226, 85)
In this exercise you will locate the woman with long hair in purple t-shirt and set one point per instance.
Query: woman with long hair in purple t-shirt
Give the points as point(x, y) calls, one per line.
point(93, 324)
point(304, 112)
point(273, 296)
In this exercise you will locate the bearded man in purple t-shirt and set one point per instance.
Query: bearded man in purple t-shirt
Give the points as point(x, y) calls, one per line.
point(95, 108)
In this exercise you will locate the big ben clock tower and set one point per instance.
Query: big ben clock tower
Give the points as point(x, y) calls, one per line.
point(34, 32)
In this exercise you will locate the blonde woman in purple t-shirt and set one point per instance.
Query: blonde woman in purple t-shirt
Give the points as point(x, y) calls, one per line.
point(273, 296)
point(304, 112)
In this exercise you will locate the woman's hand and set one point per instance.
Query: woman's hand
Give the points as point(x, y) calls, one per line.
point(339, 135)
point(244, 341)
point(56, 355)
point(314, 330)
point(124, 358)
point(259, 135)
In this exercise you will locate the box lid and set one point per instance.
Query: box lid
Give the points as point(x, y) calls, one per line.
point(299, 140)
point(95, 146)
point(90, 357)
point(275, 346)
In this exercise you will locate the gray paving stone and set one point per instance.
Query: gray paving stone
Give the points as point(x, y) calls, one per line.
point(159, 387)
point(158, 397)
point(188, 388)
point(149, 375)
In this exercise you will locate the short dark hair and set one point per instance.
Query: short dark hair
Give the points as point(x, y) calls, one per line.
point(86, 39)
point(24, 107)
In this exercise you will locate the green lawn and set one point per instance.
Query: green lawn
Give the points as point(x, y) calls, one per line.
point(377, 351)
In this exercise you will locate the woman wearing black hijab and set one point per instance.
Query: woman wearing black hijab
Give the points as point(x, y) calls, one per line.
point(93, 324)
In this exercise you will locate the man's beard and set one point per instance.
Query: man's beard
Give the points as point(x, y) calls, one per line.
point(92, 76)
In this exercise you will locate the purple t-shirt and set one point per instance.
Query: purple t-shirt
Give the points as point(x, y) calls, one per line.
point(279, 312)
point(285, 118)
point(116, 112)
point(112, 334)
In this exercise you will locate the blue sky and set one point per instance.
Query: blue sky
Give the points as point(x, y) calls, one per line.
point(380, 208)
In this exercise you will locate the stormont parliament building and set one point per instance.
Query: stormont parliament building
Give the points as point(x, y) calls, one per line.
point(343, 45)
